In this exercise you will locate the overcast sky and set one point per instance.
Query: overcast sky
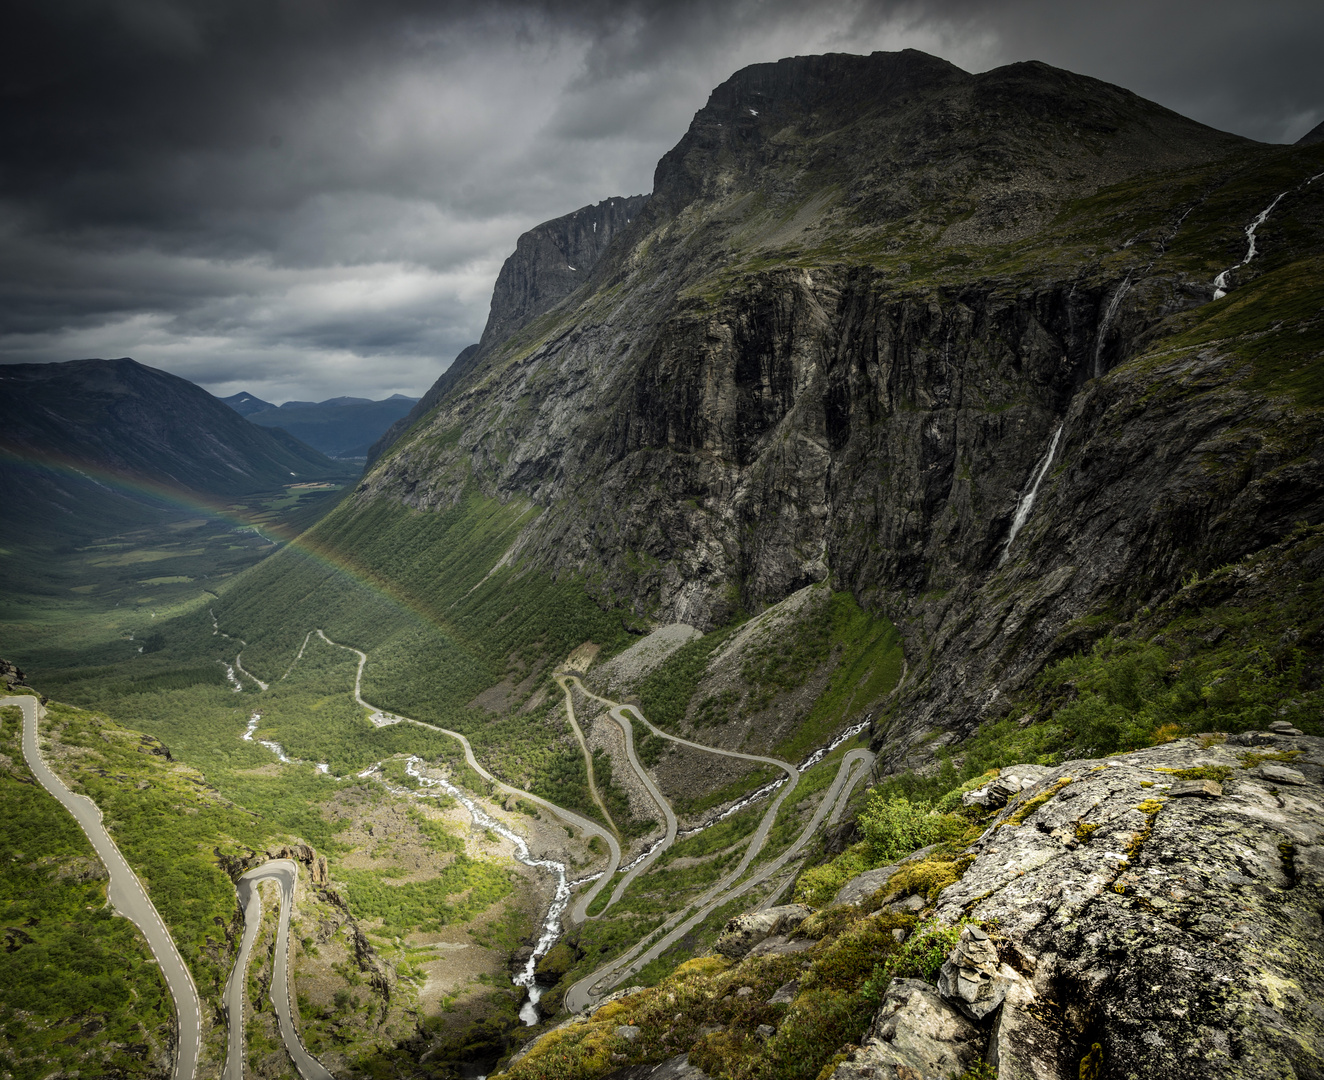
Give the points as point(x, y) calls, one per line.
point(308, 198)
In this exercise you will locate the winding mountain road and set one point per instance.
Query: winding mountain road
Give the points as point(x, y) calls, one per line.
point(581, 995)
point(588, 758)
point(125, 894)
point(284, 872)
point(579, 912)
point(668, 815)
point(853, 767)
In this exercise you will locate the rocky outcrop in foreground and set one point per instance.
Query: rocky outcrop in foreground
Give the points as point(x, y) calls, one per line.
point(1154, 914)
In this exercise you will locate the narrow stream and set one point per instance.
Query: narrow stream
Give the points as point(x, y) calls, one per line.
point(551, 926)
point(1221, 282)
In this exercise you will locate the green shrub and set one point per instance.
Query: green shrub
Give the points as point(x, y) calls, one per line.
point(893, 827)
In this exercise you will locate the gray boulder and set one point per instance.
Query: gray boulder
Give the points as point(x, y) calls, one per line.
point(1009, 783)
point(1181, 934)
point(914, 1034)
point(743, 932)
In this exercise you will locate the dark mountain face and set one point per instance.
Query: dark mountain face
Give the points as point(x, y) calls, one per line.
point(245, 404)
point(106, 433)
point(341, 427)
point(1314, 135)
point(866, 298)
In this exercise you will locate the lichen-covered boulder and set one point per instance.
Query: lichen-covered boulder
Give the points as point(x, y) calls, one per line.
point(1009, 783)
point(743, 932)
point(914, 1034)
point(1180, 934)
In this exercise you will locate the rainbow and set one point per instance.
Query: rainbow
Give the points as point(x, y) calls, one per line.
point(136, 488)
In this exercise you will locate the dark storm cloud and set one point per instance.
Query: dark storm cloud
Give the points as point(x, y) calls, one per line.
point(312, 197)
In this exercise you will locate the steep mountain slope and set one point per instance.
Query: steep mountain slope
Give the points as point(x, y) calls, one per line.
point(966, 389)
point(550, 262)
point(340, 427)
point(866, 297)
point(96, 444)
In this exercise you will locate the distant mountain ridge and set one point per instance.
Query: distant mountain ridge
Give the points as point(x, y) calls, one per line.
point(88, 439)
point(341, 427)
point(245, 404)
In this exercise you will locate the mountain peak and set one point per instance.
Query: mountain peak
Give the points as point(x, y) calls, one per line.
point(873, 126)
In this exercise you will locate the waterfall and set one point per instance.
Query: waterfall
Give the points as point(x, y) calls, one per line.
point(1109, 313)
point(1220, 282)
point(1027, 500)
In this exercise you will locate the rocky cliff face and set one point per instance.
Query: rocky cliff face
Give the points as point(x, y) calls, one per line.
point(866, 298)
point(550, 262)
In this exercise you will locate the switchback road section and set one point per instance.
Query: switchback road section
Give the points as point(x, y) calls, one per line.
point(125, 893)
point(284, 872)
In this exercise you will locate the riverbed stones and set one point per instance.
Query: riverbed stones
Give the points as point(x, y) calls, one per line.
point(743, 932)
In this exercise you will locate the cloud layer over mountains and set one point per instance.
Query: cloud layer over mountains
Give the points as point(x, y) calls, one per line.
point(307, 198)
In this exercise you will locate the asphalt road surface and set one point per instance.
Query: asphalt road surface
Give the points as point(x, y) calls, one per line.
point(126, 894)
point(284, 872)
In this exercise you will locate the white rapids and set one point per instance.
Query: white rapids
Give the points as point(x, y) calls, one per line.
point(551, 925)
point(276, 747)
point(1221, 282)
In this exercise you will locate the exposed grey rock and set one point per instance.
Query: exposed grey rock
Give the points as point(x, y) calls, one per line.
point(1280, 774)
point(765, 1031)
point(785, 993)
point(972, 978)
point(1008, 783)
point(678, 1068)
point(1183, 936)
point(743, 932)
point(1204, 789)
point(781, 945)
point(1024, 1047)
point(914, 1034)
point(627, 1031)
point(861, 887)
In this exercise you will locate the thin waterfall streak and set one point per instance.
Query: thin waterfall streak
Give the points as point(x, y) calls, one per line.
point(1221, 281)
point(1026, 502)
point(1109, 314)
